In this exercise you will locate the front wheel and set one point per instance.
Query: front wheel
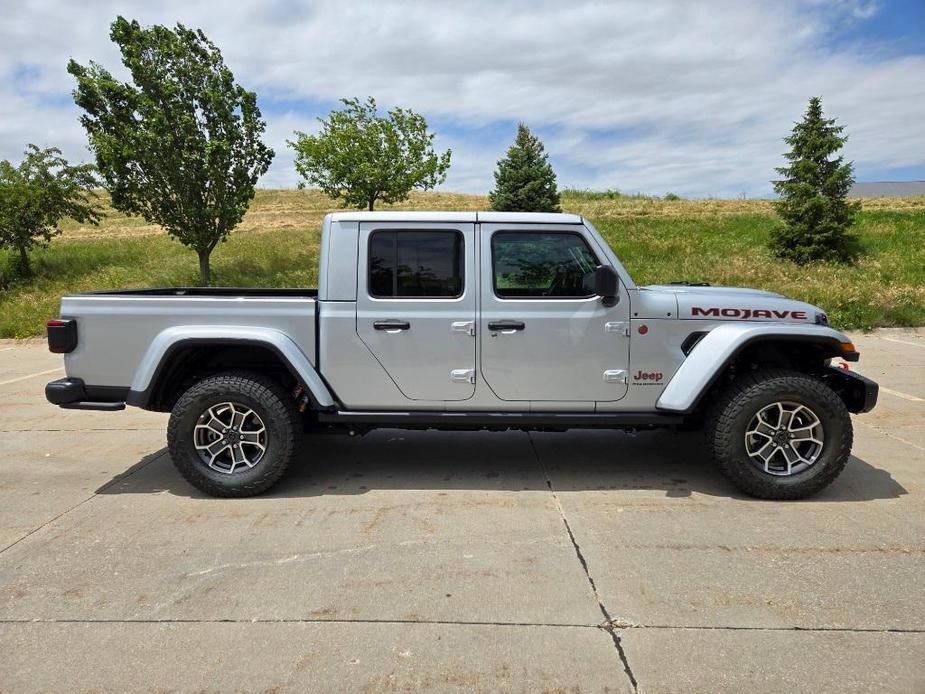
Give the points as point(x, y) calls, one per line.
point(778, 434)
point(233, 434)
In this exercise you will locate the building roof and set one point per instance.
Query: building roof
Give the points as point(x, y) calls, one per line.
point(886, 189)
point(472, 217)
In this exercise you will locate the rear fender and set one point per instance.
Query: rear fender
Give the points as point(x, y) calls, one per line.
point(170, 340)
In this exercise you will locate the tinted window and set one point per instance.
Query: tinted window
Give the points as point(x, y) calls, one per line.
point(542, 264)
point(423, 264)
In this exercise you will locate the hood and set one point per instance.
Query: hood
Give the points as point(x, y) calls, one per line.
point(737, 303)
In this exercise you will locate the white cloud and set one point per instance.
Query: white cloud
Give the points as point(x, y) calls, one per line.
point(653, 96)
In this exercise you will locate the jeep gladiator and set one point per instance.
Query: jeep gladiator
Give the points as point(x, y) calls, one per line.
point(465, 320)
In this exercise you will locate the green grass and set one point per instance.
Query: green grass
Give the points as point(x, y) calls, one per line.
point(274, 259)
point(573, 194)
point(885, 288)
point(716, 241)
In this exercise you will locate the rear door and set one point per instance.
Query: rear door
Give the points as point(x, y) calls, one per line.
point(545, 335)
point(416, 305)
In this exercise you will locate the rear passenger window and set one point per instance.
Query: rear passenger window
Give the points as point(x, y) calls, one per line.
point(415, 264)
point(547, 265)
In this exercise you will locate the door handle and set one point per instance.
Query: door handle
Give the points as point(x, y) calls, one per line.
point(506, 325)
point(463, 326)
point(392, 325)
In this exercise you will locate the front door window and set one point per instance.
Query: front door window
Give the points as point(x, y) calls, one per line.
point(546, 337)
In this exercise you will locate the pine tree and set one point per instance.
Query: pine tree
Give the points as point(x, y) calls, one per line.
point(524, 180)
point(813, 193)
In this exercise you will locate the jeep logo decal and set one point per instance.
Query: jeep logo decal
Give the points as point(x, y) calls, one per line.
point(654, 376)
point(746, 313)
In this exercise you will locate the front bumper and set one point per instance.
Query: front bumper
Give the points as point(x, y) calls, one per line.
point(72, 394)
point(859, 392)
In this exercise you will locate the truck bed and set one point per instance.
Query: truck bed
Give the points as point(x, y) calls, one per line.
point(116, 328)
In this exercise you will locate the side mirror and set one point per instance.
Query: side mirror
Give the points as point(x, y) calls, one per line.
point(606, 284)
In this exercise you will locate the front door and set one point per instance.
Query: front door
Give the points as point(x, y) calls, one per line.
point(544, 334)
point(416, 306)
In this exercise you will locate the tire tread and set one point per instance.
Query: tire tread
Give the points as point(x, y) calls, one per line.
point(279, 406)
point(720, 432)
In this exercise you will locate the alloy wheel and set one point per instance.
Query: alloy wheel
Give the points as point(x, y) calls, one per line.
point(230, 437)
point(784, 438)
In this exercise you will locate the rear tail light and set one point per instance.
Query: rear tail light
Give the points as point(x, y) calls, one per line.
point(62, 335)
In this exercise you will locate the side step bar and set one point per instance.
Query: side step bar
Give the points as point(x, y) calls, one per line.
point(500, 420)
point(90, 405)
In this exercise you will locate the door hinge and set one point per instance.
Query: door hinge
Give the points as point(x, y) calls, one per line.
point(463, 326)
point(621, 327)
point(615, 376)
point(462, 375)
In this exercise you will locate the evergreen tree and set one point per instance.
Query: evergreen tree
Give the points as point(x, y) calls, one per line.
point(524, 180)
point(813, 193)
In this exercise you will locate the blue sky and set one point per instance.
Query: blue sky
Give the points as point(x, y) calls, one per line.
point(638, 95)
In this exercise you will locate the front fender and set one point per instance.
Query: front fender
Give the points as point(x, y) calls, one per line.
point(719, 347)
point(169, 340)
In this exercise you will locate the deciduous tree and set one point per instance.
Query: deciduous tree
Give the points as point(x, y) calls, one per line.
point(37, 194)
point(180, 144)
point(362, 157)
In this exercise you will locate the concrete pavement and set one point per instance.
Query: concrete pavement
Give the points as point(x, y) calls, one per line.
point(420, 561)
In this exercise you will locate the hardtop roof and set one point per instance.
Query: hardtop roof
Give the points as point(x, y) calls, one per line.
point(472, 217)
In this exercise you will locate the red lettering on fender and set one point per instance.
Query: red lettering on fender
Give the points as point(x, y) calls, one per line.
point(746, 313)
point(697, 311)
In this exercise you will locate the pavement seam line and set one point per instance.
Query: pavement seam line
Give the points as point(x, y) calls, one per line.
point(77, 505)
point(298, 620)
point(46, 524)
point(846, 630)
point(439, 622)
point(608, 625)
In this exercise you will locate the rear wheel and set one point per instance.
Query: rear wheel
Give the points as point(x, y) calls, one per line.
point(779, 434)
point(233, 434)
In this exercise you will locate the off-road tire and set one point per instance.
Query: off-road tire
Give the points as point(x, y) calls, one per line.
point(733, 409)
point(268, 399)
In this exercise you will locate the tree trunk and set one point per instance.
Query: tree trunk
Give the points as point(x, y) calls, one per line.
point(371, 201)
point(24, 268)
point(205, 272)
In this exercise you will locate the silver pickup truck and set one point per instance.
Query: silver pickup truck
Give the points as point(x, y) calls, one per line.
point(464, 320)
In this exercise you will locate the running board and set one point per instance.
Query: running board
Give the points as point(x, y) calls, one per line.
point(501, 420)
point(90, 405)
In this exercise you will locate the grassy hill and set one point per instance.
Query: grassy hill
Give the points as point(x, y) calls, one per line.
point(715, 241)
